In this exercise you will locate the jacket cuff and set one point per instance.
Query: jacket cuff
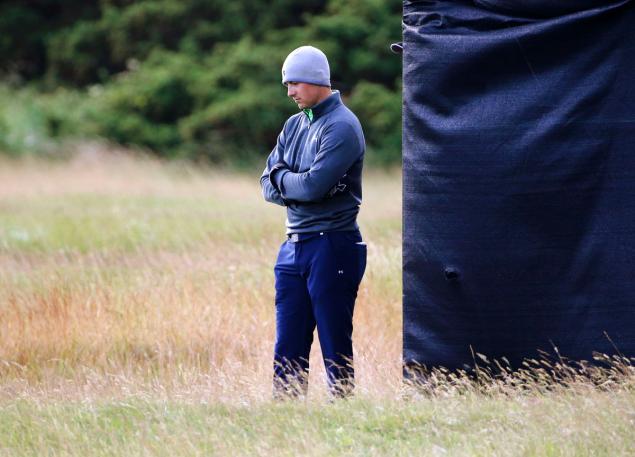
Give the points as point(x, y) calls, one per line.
point(276, 173)
point(278, 178)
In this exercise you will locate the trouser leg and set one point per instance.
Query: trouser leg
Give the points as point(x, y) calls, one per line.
point(336, 271)
point(294, 326)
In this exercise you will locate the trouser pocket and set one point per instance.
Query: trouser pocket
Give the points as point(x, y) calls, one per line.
point(349, 253)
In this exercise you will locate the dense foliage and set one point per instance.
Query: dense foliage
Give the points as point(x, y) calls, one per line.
point(188, 78)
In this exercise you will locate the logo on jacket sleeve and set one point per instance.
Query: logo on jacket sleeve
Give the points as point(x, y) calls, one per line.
point(339, 187)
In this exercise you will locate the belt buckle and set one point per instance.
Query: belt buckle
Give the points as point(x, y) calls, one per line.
point(294, 237)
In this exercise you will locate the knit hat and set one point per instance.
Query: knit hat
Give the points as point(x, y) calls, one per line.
point(306, 64)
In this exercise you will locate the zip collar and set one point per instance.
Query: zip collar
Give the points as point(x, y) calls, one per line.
point(309, 113)
point(324, 107)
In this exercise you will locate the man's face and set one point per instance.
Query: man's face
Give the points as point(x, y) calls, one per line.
point(304, 94)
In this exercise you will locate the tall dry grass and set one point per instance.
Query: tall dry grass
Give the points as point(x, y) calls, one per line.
point(127, 276)
point(137, 318)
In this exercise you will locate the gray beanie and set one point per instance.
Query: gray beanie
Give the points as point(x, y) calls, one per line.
point(306, 64)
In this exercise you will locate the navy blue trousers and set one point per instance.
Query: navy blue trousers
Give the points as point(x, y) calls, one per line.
point(317, 278)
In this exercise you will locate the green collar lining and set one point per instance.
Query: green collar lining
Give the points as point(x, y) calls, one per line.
point(309, 113)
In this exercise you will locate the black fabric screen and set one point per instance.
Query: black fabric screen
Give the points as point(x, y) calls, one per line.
point(519, 179)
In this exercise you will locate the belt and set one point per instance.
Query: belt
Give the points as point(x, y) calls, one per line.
point(298, 237)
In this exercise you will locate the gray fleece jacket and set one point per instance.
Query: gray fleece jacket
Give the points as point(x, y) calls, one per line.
point(322, 189)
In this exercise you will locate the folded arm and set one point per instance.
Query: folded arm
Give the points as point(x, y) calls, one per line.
point(339, 149)
point(271, 192)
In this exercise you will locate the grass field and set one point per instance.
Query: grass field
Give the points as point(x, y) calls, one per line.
point(136, 318)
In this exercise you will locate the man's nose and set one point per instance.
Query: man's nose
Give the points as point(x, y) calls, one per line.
point(290, 91)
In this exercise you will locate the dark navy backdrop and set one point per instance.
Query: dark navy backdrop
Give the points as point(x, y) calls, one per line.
point(519, 179)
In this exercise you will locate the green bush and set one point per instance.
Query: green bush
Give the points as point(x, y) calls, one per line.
point(36, 123)
point(379, 111)
point(23, 126)
point(80, 54)
point(193, 78)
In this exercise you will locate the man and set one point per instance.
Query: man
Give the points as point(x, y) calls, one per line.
point(315, 170)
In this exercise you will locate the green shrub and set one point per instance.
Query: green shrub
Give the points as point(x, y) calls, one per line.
point(23, 127)
point(79, 54)
point(191, 78)
point(379, 110)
